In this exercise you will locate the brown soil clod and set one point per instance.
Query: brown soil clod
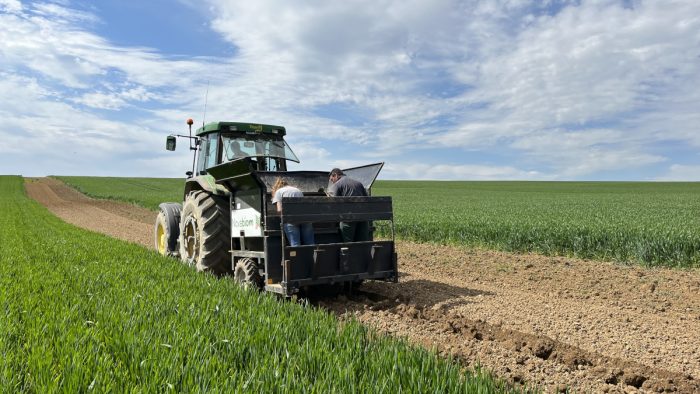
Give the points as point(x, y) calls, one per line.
point(543, 349)
point(635, 380)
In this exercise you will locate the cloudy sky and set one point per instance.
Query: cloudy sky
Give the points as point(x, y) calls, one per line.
point(437, 89)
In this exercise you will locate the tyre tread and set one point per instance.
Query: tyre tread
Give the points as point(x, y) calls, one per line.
point(213, 224)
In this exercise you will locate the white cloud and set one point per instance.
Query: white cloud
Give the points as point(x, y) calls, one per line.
point(101, 100)
point(329, 53)
point(58, 48)
point(10, 6)
point(53, 10)
point(571, 89)
point(597, 63)
point(679, 172)
point(445, 172)
point(310, 151)
point(525, 71)
point(574, 154)
point(591, 62)
point(62, 137)
point(170, 164)
point(116, 100)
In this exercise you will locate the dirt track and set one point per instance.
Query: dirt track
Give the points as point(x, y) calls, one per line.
point(548, 322)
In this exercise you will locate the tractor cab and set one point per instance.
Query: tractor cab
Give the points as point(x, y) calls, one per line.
point(220, 142)
point(223, 142)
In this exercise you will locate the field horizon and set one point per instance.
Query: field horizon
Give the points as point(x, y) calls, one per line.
point(648, 223)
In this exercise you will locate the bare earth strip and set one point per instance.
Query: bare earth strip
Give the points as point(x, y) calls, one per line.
point(124, 221)
point(552, 322)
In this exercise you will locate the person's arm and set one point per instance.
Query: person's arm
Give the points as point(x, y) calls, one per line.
point(277, 200)
point(332, 191)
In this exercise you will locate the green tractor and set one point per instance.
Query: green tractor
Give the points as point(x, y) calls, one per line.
point(227, 223)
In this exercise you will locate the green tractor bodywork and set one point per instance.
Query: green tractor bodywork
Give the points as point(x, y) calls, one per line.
point(227, 222)
point(218, 140)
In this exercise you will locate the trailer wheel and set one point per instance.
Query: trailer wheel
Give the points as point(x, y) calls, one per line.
point(205, 232)
point(246, 272)
point(167, 229)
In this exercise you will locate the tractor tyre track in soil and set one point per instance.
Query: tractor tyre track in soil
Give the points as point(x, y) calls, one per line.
point(551, 322)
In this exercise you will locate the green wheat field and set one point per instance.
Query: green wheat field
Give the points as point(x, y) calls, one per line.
point(648, 223)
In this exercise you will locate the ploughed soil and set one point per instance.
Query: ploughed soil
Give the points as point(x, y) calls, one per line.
point(555, 323)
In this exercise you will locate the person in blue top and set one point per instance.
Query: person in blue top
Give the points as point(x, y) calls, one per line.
point(344, 186)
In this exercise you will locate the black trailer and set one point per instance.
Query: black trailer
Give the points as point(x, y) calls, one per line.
point(258, 242)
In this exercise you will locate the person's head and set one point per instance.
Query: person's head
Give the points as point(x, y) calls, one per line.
point(279, 183)
point(335, 174)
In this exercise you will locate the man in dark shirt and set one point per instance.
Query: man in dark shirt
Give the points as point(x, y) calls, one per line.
point(343, 186)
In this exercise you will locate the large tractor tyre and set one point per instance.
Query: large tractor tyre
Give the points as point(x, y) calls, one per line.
point(205, 237)
point(167, 229)
point(247, 273)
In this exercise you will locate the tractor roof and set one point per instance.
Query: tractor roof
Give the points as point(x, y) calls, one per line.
point(249, 128)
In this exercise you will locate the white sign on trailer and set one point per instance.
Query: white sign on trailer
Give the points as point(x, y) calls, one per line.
point(245, 222)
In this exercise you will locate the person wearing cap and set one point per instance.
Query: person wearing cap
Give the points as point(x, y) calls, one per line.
point(344, 186)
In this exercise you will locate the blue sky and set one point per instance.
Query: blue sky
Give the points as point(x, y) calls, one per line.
point(438, 89)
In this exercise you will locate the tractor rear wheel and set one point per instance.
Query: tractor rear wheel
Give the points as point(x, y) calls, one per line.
point(246, 272)
point(167, 229)
point(205, 237)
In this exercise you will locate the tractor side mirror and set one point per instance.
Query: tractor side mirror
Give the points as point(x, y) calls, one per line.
point(170, 143)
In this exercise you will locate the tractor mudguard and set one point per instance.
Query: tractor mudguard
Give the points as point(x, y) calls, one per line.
point(205, 183)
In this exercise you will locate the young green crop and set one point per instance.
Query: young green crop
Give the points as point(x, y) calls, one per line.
point(146, 192)
point(651, 223)
point(83, 312)
point(654, 224)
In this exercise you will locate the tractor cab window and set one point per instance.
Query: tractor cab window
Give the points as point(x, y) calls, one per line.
point(207, 153)
point(238, 148)
point(203, 148)
point(275, 164)
point(211, 151)
point(259, 145)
